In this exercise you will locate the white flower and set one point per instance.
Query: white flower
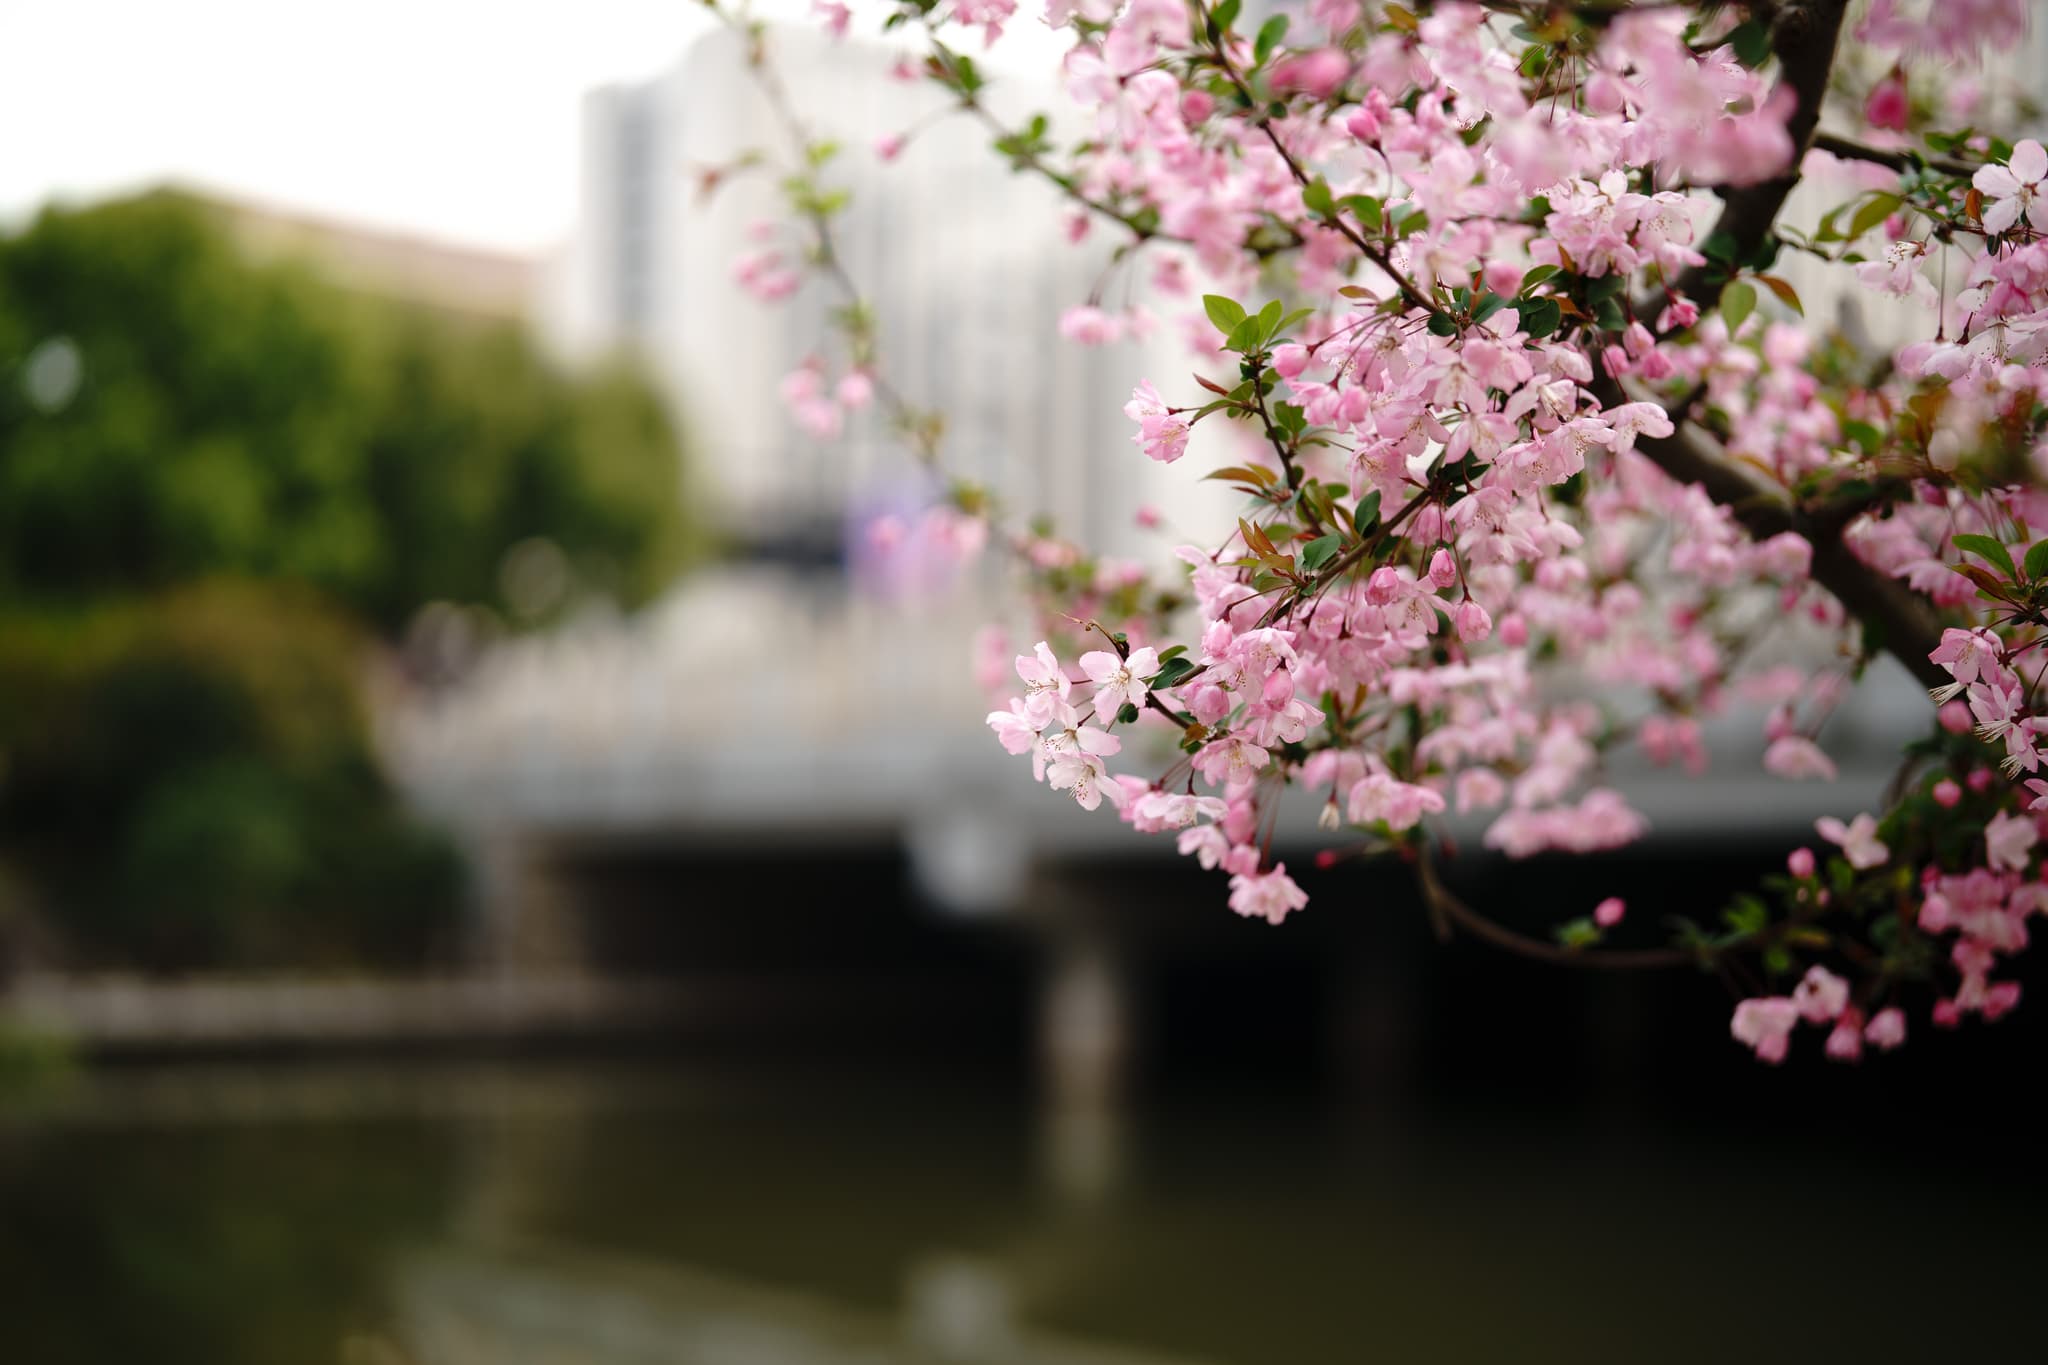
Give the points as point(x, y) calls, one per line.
point(2015, 189)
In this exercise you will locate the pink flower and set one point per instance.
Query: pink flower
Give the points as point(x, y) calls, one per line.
point(1046, 686)
point(1230, 761)
point(1379, 796)
point(2007, 841)
point(2015, 189)
point(1795, 757)
point(1119, 682)
point(1765, 1025)
point(1014, 728)
point(1800, 863)
point(1088, 325)
point(1858, 840)
point(1608, 913)
point(1845, 1040)
point(1820, 995)
point(1887, 1029)
point(1887, 106)
point(1269, 896)
point(1163, 435)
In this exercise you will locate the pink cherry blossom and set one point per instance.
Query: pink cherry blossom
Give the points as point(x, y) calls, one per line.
point(1765, 1025)
point(2014, 190)
point(1269, 896)
point(1119, 682)
point(1858, 839)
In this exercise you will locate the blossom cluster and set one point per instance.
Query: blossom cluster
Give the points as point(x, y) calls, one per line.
point(1538, 463)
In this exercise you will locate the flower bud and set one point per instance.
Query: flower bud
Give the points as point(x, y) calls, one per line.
point(1443, 569)
point(1472, 622)
point(1800, 863)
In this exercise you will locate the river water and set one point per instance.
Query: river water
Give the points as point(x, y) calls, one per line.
point(444, 1214)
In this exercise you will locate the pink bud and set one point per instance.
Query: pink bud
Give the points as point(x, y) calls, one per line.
point(1947, 793)
point(1979, 780)
point(1800, 863)
point(1316, 73)
point(1955, 718)
point(1148, 517)
point(1279, 688)
point(1502, 276)
point(1608, 913)
point(1514, 631)
point(1443, 570)
point(1845, 1043)
point(1946, 1015)
point(855, 390)
point(889, 147)
point(1326, 858)
point(1887, 106)
point(1887, 1029)
point(1196, 105)
point(1290, 360)
point(1472, 622)
point(1383, 587)
point(2000, 999)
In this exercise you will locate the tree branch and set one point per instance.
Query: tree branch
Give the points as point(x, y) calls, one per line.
point(1905, 621)
point(1803, 35)
point(1445, 906)
point(1851, 150)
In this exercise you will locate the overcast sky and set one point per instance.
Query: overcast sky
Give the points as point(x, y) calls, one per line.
point(454, 118)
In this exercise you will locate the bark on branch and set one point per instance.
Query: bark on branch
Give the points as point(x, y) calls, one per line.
point(1803, 35)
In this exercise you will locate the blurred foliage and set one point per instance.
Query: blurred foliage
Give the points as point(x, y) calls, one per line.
point(191, 782)
point(179, 411)
point(222, 482)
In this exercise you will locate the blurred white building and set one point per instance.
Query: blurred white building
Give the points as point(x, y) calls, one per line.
point(966, 264)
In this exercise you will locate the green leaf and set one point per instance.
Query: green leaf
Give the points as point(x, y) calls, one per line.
point(1225, 313)
point(1720, 246)
point(1752, 43)
point(1323, 549)
point(2037, 561)
point(1225, 14)
point(1738, 301)
point(1245, 336)
point(1992, 551)
point(1875, 210)
point(1270, 34)
point(1536, 276)
point(1126, 713)
point(1269, 319)
point(1787, 295)
point(1578, 933)
point(1172, 671)
point(1366, 209)
point(1315, 197)
point(1368, 511)
point(1540, 317)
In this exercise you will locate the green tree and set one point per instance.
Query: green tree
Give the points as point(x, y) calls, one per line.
point(225, 485)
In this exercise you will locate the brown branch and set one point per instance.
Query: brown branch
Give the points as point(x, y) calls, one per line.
point(1445, 906)
point(1907, 623)
point(1850, 149)
point(1803, 34)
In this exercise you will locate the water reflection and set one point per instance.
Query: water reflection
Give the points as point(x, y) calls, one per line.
point(444, 1216)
